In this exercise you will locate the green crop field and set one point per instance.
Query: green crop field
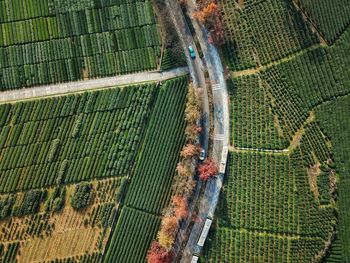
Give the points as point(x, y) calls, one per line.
point(51, 41)
point(78, 137)
point(330, 17)
point(253, 124)
point(59, 154)
point(334, 119)
point(152, 178)
point(286, 188)
point(262, 32)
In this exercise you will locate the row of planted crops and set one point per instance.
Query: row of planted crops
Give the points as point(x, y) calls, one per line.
point(262, 32)
point(84, 136)
point(284, 206)
point(89, 41)
point(133, 131)
point(152, 178)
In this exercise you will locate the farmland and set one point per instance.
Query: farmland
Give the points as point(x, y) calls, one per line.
point(283, 198)
point(80, 152)
point(262, 32)
point(152, 178)
point(331, 18)
point(333, 117)
point(277, 221)
point(43, 42)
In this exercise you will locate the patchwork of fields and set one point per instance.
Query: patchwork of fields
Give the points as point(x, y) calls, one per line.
point(49, 41)
point(286, 186)
point(86, 177)
point(104, 138)
point(151, 182)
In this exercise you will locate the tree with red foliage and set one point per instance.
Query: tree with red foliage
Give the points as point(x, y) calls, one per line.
point(180, 207)
point(207, 169)
point(210, 16)
point(158, 254)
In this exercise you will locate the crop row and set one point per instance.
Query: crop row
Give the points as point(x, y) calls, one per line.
point(76, 24)
point(132, 236)
point(82, 46)
point(107, 64)
point(334, 120)
point(78, 137)
point(16, 10)
point(228, 245)
point(253, 124)
point(314, 146)
point(330, 17)
point(113, 38)
point(287, 106)
point(266, 200)
point(152, 176)
point(259, 194)
point(319, 75)
point(262, 33)
point(245, 246)
point(151, 182)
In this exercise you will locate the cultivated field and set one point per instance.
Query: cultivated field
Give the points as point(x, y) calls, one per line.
point(262, 32)
point(152, 176)
point(64, 168)
point(286, 185)
point(51, 41)
point(330, 17)
point(334, 119)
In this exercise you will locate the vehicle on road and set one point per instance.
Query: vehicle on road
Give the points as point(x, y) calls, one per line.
point(202, 155)
point(192, 52)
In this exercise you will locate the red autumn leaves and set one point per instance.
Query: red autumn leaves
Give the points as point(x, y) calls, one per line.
point(210, 16)
point(207, 170)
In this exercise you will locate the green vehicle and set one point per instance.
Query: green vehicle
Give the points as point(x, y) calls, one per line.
point(192, 52)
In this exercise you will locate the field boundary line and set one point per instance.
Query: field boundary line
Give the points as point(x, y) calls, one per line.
point(256, 70)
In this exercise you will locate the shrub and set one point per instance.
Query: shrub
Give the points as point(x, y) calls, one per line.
point(207, 169)
point(82, 195)
point(158, 254)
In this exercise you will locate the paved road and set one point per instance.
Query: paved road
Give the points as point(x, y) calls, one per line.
point(57, 89)
point(195, 66)
point(196, 69)
point(210, 197)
